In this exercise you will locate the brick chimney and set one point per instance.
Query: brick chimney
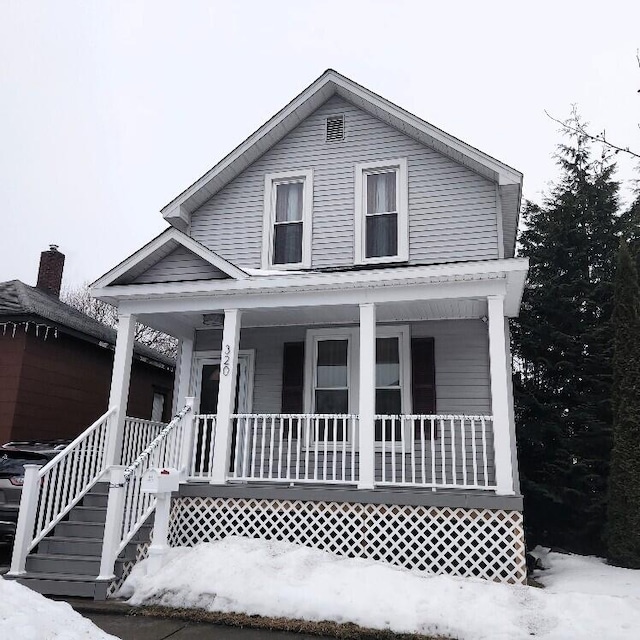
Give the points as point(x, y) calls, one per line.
point(50, 271)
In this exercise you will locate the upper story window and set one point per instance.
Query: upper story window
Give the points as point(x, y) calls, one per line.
point(287, 219)
point(382, 212)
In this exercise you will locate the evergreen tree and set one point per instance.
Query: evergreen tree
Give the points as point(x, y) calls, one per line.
point(623, 527)
point(563, 350)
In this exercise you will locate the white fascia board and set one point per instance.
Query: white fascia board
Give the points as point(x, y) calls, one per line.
point(333, 297)
point(333, 80)
point(169, 235)
point(375, 282)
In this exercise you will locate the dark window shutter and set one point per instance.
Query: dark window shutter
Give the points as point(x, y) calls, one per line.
point(293, 377)
point(423, 376)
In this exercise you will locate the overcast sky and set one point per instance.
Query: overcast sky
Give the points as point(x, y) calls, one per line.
point(109, 109)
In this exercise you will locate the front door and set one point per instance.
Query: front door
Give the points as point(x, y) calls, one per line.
point(206, 387)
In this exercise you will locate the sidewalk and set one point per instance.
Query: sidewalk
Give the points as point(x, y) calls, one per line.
point(119, 619)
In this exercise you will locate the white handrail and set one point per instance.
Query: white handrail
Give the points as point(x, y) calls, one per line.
point(49, 494)
point(128, 506)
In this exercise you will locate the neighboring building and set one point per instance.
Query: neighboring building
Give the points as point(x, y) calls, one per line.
point(56, 363)
point(341, 285)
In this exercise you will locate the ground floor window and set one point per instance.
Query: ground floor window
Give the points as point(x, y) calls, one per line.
point(392, 378)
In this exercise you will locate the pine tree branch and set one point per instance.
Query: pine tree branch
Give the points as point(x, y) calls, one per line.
point(601, 138)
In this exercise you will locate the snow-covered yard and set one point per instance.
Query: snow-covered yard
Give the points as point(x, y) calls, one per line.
point(26, 615)
point(584, 599)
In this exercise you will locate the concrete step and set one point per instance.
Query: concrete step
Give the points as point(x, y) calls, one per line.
point(88, 514)
point(64, 584)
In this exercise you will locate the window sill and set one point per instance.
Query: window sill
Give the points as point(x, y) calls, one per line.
point(399, 260)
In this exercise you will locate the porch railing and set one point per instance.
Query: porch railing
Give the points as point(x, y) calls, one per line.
point(201, 461)
point(138, 435)
point(429, 451)
point(51, 491)
point(295, 448)
point(128, 507)
point(437, 451)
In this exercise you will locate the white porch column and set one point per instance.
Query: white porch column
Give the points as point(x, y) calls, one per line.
point(500, 373)
point(367, 395)
point(226, 394)
point(120, 379)
point(183, 373)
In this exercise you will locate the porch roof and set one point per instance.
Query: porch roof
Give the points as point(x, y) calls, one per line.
point(402, 293)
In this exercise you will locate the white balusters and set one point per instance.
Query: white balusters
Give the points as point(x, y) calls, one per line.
point(437, 451)
point(433, 451)
point(204, 429)
point(295, 448)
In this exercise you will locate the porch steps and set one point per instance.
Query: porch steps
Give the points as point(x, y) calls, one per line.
point(66, 562)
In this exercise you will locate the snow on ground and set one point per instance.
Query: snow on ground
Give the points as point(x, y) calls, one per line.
point(272, 578)
point(566, 573)
point(26, 615)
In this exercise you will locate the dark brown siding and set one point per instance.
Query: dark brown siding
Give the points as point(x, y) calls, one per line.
point(11, 353)
point(64, 386)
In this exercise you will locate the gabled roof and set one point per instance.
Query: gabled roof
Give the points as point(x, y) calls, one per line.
point(19, 302)
point(330, 83)
point(158, 249)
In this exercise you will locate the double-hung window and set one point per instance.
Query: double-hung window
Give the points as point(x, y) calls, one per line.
point(287, 220)
point(381, 212)
point(331, 374)
point(393, 383)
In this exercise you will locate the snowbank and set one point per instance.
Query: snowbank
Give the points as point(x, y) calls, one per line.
point(567, 573)
point(257, 577)
point(26, 615)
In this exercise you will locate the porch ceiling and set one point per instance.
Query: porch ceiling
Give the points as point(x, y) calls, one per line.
point(446, 309)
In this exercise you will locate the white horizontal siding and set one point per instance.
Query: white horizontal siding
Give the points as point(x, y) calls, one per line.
point(180, 264)
point(461, 362)
point(452, 211)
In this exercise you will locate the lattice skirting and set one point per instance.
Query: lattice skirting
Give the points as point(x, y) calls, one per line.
point(142, 551)
point(485, 543)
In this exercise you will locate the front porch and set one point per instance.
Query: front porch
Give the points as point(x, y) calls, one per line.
point(387, 386)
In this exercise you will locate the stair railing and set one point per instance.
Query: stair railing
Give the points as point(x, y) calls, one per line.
point(51, 491)
point(128, 507)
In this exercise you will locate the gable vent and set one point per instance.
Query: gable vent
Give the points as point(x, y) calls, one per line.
point(335, 128)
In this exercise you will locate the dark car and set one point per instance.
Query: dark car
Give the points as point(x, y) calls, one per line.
point(13, 457)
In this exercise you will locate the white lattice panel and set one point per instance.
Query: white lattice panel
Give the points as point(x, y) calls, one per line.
point(485, 543)
point(142, 551)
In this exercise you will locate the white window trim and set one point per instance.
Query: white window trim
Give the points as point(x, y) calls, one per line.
point(247, 357)
point(310, 349)
point(401, 332)
point(404, 348)
point(270, 180)
point(402, 192)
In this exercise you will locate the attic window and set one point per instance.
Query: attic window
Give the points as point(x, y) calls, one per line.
point(335, 128)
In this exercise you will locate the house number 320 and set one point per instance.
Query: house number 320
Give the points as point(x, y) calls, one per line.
point(226, 359)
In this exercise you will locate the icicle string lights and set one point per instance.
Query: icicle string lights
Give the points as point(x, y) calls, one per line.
point(12, 327)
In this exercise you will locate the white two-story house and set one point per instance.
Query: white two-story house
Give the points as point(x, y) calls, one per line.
point(340, 285)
